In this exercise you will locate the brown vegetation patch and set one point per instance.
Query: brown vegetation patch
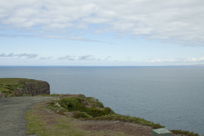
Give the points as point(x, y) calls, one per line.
point(118, 126)
point(48, 116)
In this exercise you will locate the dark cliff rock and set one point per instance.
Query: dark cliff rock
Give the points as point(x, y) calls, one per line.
point(20, 87)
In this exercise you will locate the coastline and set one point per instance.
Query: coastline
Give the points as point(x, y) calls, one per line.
point(117, 118)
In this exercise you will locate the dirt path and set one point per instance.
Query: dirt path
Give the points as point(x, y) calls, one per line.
point(12, 114)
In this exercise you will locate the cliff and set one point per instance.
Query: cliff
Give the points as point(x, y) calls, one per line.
point(78, 115)
point(22, 86)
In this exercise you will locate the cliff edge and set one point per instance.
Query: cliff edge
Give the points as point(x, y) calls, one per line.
point(22, 86)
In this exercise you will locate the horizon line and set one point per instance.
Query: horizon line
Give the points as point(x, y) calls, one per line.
point(100, 65)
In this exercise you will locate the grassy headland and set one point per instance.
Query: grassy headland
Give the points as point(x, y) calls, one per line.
point(77, 115)
point(22, 86)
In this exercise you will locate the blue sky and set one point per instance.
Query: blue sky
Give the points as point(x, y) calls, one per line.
point(84, 33)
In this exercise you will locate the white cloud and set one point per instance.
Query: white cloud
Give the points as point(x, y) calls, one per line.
point(45, 58)
point(173, 19)
point(67, 57)
point(86, 57)
point(82, 58)
point(18, 55)
point(178, 60)
point(53, 58)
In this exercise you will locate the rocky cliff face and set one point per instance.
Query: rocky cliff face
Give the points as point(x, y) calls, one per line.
point(34, 88)
point(20, 87)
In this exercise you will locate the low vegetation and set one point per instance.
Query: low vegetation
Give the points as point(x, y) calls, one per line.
point(184, 133)
point(45, 122)
point(124, 118)
point(77, 115)
point(89, 108)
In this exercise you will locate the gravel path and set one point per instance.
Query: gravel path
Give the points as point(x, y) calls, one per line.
point(12, 114)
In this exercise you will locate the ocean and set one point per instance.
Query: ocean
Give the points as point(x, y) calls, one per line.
point(172, 95)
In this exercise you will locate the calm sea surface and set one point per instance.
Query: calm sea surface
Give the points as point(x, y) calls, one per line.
point(172, 96)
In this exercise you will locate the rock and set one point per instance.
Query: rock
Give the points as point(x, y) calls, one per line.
point(35, 88)
point(161, 132)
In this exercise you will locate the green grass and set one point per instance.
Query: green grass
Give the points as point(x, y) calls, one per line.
point(184, 133)
point(63, 126)
point(90, 108)
point(14, 81)
point(11, 81)
point(34, 123)
point(9, 86)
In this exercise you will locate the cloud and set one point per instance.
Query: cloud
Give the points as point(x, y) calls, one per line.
point(18, 55)
point(78, 58)
point(45, 58)
point(86, 57)
point(15, 35)
point(179, 20)
point(67, 57)
point(178, 60)
point(72, 38)
point(83, 58)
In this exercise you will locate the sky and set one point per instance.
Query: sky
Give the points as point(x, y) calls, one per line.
point(101, 33)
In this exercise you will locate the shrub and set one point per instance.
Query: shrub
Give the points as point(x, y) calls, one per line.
point(89, 105)
point(55, 106)
point(79, 114)
point(72, 103)
point(94, 102)
point(97, 112)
